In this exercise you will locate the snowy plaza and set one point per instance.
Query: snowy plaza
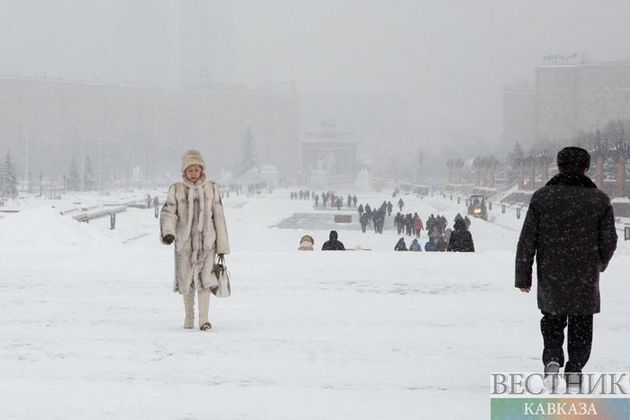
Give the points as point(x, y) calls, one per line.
point(90, 326)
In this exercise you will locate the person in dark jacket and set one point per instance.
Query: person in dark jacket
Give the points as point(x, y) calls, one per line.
point(415, 246)
point(430, 246)
point(399, 222)
point(430, 223)
point(400, 245)
point(332, 244)
point(461, 239)
point(408, 223)
point(363, 220)
point(570, 229)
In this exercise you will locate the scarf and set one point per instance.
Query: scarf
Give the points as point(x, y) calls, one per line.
point(195, 192)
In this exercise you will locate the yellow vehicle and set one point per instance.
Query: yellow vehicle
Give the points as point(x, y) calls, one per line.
point(477, 206)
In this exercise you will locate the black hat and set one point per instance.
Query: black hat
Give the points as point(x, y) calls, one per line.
point(575, 156)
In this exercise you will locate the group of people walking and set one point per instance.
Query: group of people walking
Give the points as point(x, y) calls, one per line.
point(376, 217)
point(300, 195)
point(441, 238)
point(408, 224)
point(330, 199)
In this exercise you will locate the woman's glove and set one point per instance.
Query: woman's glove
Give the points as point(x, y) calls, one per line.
point(168, 239)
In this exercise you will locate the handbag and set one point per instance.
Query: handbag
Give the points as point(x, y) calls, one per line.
point(219, 269)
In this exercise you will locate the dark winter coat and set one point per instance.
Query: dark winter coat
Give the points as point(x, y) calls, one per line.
point(461, 239)
point(570, 228)
point(333, 244)
point(400, 245)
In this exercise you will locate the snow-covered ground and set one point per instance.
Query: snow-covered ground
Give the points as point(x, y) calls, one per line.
point(89, 326)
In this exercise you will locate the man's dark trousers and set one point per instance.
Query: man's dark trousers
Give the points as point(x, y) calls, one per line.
point(580, 338)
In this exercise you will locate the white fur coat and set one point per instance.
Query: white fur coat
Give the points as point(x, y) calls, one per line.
point(193, 214)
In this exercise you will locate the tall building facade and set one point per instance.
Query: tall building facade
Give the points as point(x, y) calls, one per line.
point(45, 123)
point(519, 114)
point(568, 97)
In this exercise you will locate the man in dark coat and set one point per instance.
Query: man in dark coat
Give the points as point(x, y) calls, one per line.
point(333, 244)
point(461, 239)
point(570, 228)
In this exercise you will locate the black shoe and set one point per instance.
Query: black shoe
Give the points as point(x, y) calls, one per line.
point(552, 368)
point(205, 326)
point(551, 379)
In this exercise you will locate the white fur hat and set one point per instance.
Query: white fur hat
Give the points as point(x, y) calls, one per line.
point(192, 157)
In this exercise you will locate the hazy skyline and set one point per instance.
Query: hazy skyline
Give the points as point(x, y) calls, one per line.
point(448, 60)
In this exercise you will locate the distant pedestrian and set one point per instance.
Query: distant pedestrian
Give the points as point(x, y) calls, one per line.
point(460, 239)
point(307, 243)
point(363, 220)
point(400, 245)
point(415, 246)
point(430, 246)
point(333, 244)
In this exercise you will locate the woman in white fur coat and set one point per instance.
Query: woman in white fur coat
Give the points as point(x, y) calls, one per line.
point(193, 218)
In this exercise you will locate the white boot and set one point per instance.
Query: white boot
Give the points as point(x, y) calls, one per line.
point(203, 295)
point(189, 308)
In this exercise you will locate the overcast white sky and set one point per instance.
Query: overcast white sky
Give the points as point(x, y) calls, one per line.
point(448, 59)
